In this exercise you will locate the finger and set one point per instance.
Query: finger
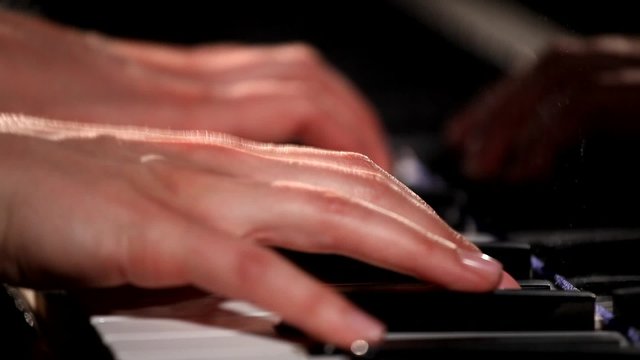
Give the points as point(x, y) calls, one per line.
point(190, 61)
point(613, 96)
point(349, 173)
point(528, 99)
point(370, 186)
point(300, 62)
point(536, 164)
point(358, 179)
point(233, 65)
point(471, 119)
point(487, 148)
point(320, 220)
point(359, 111)
point(203, 146)
point(174, 251)
point(560, 121)
point(273, 110)
point(255, 274)
point(508, 282)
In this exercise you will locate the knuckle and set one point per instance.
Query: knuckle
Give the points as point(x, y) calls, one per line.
point(164, 181)
point(316, 302)
point(149, 258)
point(562, 53)
point(565, 46)
point(321, 200)
point(307, 94)
point(607, 44)
point(375, 180)
point(137, 265)
point(328, 207)
point(301, 52)
point(373, 186)
point(359, 160)
point(333, 203)
point(305, 111)
point(251, 264)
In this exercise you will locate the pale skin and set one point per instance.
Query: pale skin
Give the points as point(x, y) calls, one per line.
point(107, 206)
point(275, 93)
point(580, 86)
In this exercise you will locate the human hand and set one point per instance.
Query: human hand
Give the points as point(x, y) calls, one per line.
point(515, 129)
point(281, 93)
point(99, 205)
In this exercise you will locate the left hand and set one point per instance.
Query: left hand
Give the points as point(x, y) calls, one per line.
point(280, 93)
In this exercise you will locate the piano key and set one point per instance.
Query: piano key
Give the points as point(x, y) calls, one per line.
point(337, 270)
point(626, 305)
point(499, 354)
point(515, 257)
point(19, 329)
point(130, 337)
point(586, 253)
point(521, 341)
point(66, 325)
point(536, 284)
point(118, 328)
point(605, 284)
point(422, 309)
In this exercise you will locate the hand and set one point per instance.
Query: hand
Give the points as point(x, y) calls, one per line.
point(282, 93)
point(107, 206)
point(515, 129)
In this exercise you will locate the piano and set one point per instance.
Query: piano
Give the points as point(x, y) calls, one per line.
point(567, 308)
point(571, 242)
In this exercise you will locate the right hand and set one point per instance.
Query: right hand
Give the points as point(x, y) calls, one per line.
point(579, 87)
point(106, 206)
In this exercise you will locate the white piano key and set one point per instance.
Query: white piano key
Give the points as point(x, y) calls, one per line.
point(206, 355)
point(168, 339)
point(122, 327)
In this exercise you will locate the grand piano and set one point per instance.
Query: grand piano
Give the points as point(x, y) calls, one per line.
point(571, 241)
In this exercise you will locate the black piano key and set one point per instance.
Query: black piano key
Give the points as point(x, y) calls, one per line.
point(536, 284)
point(626, 305)
point(605, 284)
point(67, 329)
point(19, 327)
point(407, 309)
point(500, 354)
point(586, 253)
point(503, 341)
point(515, 257)
point(337, 269)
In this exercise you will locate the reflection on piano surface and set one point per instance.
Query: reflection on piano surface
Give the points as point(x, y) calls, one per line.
point(547, 251)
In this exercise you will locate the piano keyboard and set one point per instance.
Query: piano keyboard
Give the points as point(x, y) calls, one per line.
point(574, 302)
point(547, 319)
point(579, 299)
point(135, 338)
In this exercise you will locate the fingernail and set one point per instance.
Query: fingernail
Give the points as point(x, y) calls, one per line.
point(369, 328)
point(480, 263)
